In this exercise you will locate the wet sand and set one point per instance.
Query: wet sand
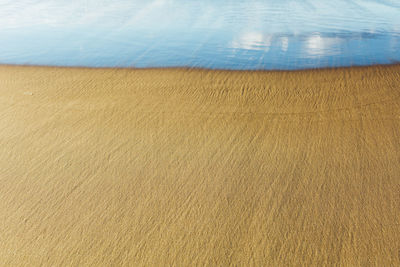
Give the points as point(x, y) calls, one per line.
point(184, 167)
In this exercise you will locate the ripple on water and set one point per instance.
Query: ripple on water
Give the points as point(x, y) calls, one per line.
point(214, 34)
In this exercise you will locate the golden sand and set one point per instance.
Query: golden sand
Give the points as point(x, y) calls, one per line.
point(187, 167)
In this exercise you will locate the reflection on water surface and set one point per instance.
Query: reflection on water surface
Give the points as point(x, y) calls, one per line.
point(251, 34)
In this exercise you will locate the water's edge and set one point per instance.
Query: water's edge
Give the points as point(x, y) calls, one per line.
point(203, 69)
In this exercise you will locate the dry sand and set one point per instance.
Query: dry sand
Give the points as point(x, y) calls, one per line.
point(186, 167)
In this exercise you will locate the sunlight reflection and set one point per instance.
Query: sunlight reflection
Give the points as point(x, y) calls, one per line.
point(214, 34)
point(318, 45)
point(252, 41)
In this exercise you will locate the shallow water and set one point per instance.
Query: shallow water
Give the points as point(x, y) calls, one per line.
point(213, 34)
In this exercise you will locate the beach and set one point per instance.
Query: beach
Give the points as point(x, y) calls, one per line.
point(197, 167)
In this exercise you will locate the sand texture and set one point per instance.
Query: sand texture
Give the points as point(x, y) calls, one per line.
point(180, 167)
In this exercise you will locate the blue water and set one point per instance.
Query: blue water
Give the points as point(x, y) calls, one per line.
point(227, 34)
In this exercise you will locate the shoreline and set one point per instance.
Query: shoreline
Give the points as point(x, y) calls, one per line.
point(205, 69)
point(198, 167)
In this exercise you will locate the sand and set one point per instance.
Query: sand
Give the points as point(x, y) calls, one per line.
point(187, 167)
